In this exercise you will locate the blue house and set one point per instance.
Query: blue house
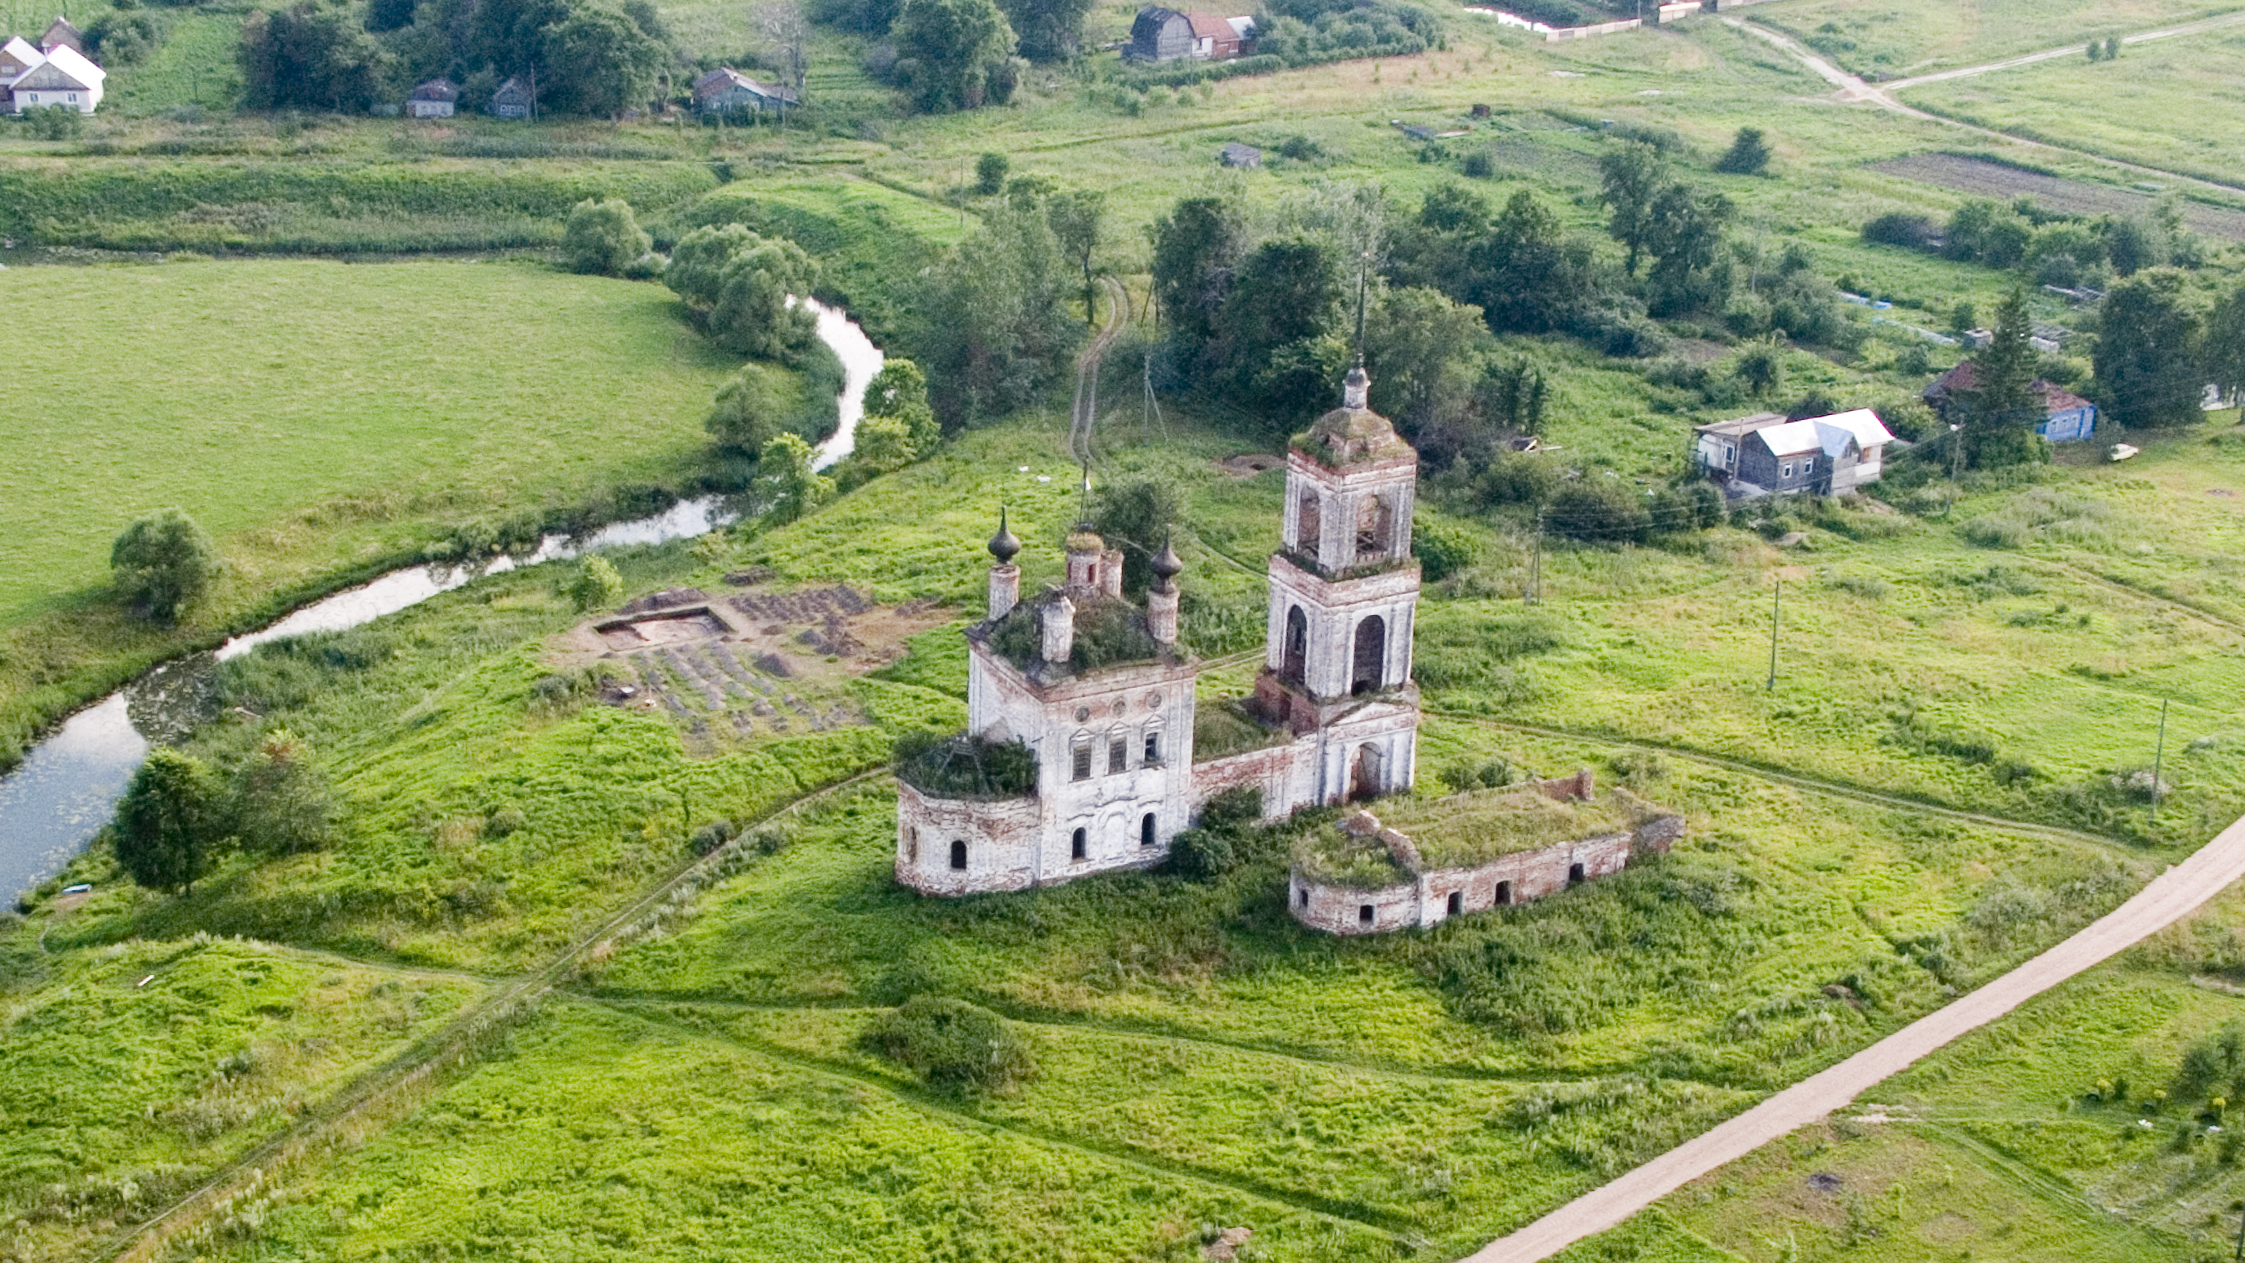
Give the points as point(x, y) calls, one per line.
point(2066, 416)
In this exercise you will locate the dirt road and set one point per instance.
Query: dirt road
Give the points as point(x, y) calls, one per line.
point(2170, 897)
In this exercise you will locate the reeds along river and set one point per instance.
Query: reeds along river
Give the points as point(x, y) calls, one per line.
point(68, 784)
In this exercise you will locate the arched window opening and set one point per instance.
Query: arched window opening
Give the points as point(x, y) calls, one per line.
point(1076, 845)
point(1296, 658)
point(1574, 875)
point(1504, 893)
point(1308, 525)
point(1302, 897)
point(1153, 746)
point(1146, 830)
point(1365, 781)
point(912, 844)
point(959, 856)
point(1371, 657)
point(1457, 902)
point(1375, 525)
point(1364, 914)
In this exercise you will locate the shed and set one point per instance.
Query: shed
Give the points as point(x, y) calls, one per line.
point(1159, 34)
point(514, 99)
point(435, 99)
point(1236, 154)
point(2066, 416)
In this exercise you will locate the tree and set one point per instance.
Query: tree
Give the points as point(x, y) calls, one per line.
point(748, 411)
point(2223, 348)
point(163, 563)
point(1749, 154)
point(1050, 30)
point(697, 262)
point(168, 826)
point(1683, 231)
point(990, 174)
point(1599, 510)
point(1760, 369)
point(282, 803)
point(993, 326)
point(950, 1042)
point(2000, 411)
point(1196, 246)
point(596, 585)
point(1137, 514)
point(311, 56)
point(1963, 318)
point(882, 446)
point(1630, 176)
point(953, 54)
point(899, 392)
point(1420, 348)
point(751, 315)
point(2147, 352)
point(1512, 397)
point(1284, 301)
point(786, 488)
point(1077, 217)
point(783, 26)
point(603, 238)
point(597, 62)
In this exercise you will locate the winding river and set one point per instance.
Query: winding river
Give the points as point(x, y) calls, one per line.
point(63, 793)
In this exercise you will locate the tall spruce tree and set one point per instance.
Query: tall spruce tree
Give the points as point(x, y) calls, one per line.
point(2001, 411)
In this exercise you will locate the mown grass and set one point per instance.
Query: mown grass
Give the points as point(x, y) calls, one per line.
point(1891, 38)
point(354, 417)
point(126, 1073)
point(2172, 104)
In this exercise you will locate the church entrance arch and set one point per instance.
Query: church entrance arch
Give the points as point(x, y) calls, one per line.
point(1371, 655)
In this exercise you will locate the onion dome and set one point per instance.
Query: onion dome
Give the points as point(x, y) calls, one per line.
point(1167, 566)
point(1003, 545)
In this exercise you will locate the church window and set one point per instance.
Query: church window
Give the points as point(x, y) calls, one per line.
point(1457, 902)
point(1371, 655)
point(1076, 845)
point(1153, 745)
point(1574, 874)
point(959, 856)
point(1364, 914)
point(1308, 526)
point(1080, 757)
point(1118, 753)
point(1504, 893)
point(1375, 525)
point(1147, 830)
point(1296, 657)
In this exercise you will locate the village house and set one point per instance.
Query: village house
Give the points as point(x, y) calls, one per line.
point(1090, 698)
point(1768, 454)
point(726, 90)
point(57, 73)
point(514, 99)
point(1436, 859)
point(435, 99)
point(2065, 417)
point(1160, 34)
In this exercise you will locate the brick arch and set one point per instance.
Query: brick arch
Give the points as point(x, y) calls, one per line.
point(1370, 660)
point(1294, 652)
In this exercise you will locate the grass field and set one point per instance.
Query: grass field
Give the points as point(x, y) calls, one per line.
point(2175, 104)
point(1893, 38)
point(317, 418)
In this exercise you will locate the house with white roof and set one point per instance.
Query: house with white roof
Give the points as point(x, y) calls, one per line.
point(61, 75)
point(1769, 454)
point(17, 57)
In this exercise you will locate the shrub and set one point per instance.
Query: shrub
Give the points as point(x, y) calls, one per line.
point(1442, 549)
point(711, 836)
point(1517, 478)
point(596, 585)
point(1478, 165)
point(1749, 154)
point(1896, 228)
point(990, 174)
point(603, 238)
point(282, 803)
point(1203, 854)
point(1461, 778)
point(169, 822)
point(950, 1043)
point(1599, 510)
point(163, 563)
point(960, 766)
point(54, 122)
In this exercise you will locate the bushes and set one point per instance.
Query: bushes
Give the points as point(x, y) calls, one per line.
point(738, 284)
point(596, 585)
point(170, 822)
point(950, 1043)
point(604, 239)
point(1442, 549)
point(1898, 228)
point(960, 766)
point(1217, 842)
point(163, 563)
point(1599, 510)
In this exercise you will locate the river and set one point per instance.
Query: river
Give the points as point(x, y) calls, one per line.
point(68, 784)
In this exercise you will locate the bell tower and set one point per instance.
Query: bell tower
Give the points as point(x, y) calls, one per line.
point(1344, 599)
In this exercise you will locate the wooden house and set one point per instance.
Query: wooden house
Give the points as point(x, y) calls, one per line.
point(726, 90)
point(1767, 454)
point(17, 57)
point(435, 99)
point(1160, 34)
point(61, 34)
point(514, 99)
point(63, 78)
point(2066, 417)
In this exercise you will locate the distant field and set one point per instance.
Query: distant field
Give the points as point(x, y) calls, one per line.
point(2177, 104)
point(1898, 37)
point(1982, 178)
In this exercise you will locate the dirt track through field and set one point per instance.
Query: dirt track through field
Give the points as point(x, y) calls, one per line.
point(2074, 50)
point(2170, 897)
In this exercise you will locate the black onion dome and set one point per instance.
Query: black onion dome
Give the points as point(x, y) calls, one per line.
point(1167, 566)
point(1003, 545)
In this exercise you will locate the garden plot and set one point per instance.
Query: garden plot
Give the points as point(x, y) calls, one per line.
point(747, 665)
point(1983, 178)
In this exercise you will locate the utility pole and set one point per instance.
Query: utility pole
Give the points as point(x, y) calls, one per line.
point(2241, 1237)
point(1776, 593)
point(1529, 594)
point(2159, 752)
point(1956, 452)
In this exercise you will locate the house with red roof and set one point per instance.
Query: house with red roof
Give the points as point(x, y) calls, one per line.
point(2066, 416)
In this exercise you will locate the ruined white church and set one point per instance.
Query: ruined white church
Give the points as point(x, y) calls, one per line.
point(1099, 692)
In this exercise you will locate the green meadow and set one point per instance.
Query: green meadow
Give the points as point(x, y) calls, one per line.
point(1894, 38)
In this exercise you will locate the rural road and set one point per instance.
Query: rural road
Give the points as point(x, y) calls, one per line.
point(2169, 898)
